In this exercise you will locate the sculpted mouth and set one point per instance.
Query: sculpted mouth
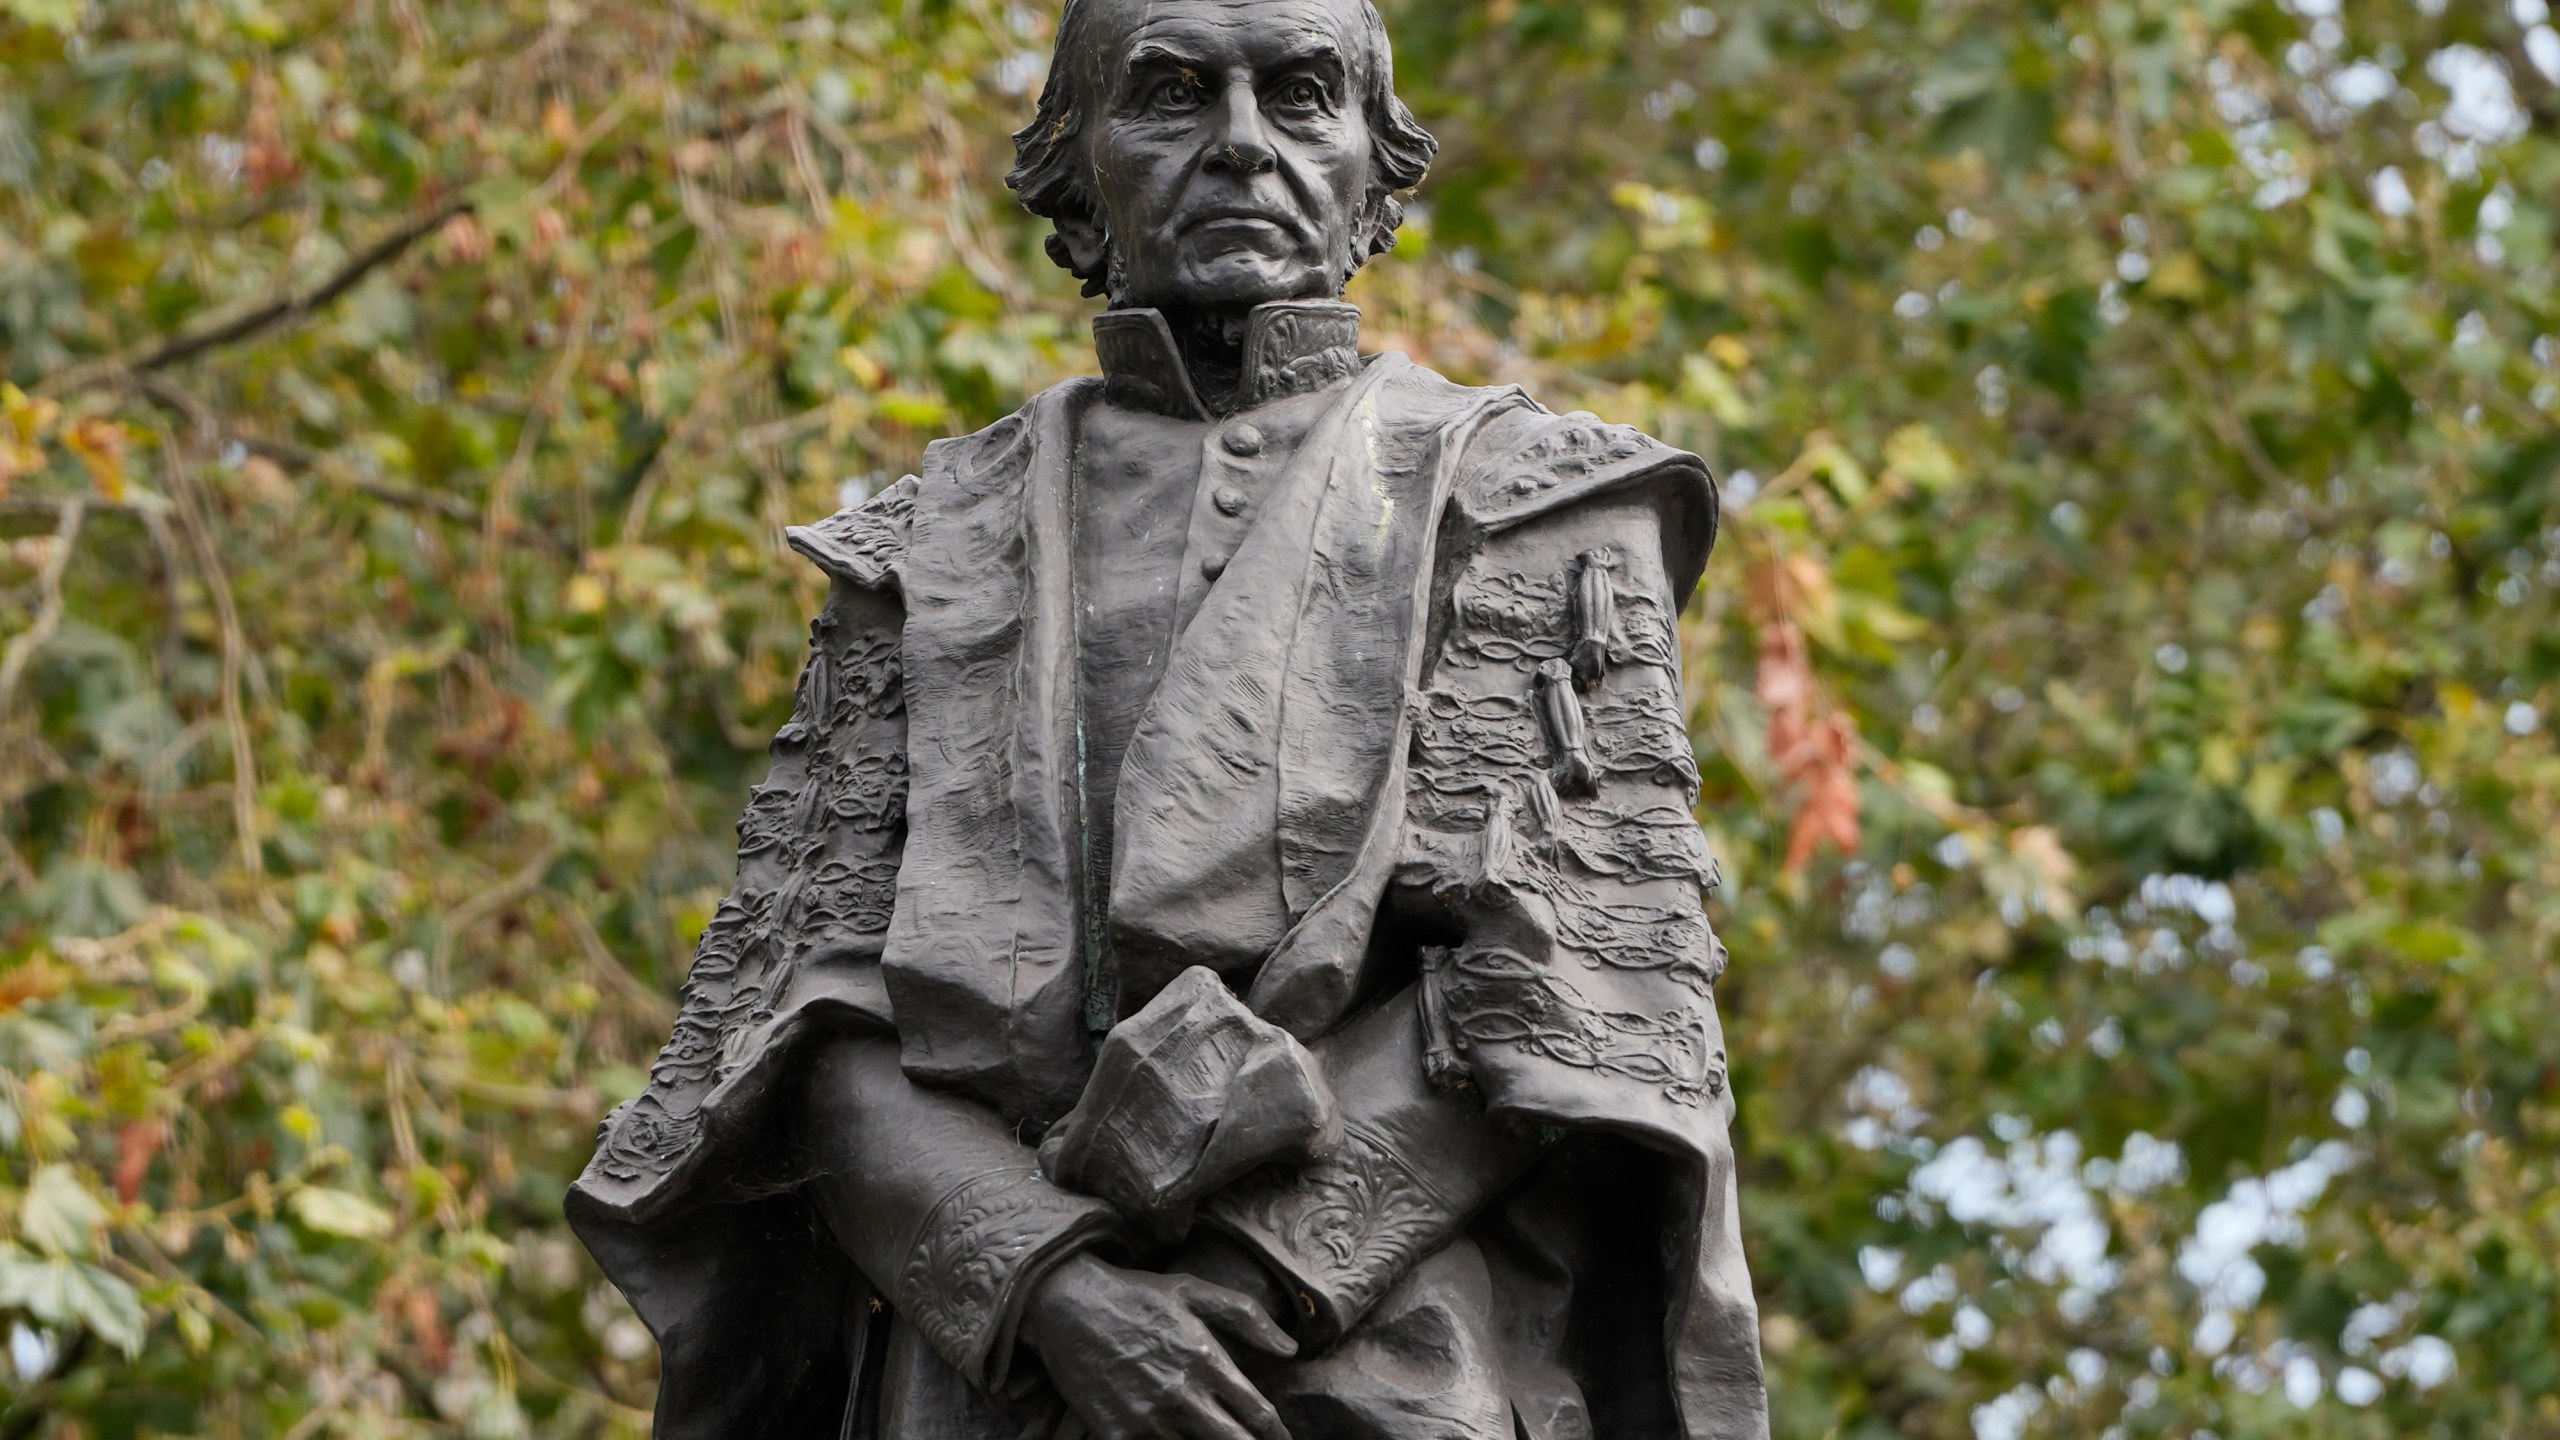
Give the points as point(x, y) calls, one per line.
point(1280, 223)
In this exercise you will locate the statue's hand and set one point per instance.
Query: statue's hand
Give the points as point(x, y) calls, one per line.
point(1222, 1262)
point(1134, 1356)
point(1188, 1094)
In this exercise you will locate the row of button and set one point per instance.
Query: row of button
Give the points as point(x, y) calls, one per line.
point(1243, 440)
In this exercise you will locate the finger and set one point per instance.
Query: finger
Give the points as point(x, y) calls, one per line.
point(1245, 1403)
point(1238, 1316)
point(1197, 1418)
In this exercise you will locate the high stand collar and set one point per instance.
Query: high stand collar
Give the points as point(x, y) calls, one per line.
point(1291, 347)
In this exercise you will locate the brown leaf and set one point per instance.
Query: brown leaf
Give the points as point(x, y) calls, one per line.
point(267, 160)
point(1813, 746)
point(426, 1323)
point(36, 979)
point(1829, 810)
point(1785, 685)
point(100, 443)
point(136, 1144)
point(465, 240)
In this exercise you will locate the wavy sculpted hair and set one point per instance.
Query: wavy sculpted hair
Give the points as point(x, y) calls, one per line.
point(1054, 182)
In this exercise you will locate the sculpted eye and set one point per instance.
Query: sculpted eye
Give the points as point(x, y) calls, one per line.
point(1178, 96)
point(1301, 93)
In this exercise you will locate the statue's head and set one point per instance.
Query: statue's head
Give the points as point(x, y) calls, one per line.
point(1209, 154)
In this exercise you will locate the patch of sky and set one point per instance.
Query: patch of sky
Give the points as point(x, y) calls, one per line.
point(1884, 1108)
point(2036, 1185)
point(1880, 1267)
point(2362, 84)
point(2480, 100)
point(2007, 1417)
point(2216, 1258)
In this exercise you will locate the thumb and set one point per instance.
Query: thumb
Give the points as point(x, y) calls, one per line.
point(1237, 1316)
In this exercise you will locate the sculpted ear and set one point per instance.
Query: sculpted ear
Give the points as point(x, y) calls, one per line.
point(1386, 216)
point(1082, 248)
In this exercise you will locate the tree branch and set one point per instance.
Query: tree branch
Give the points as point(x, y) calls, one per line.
point(23, 645)
point(480, 907)
point(291, 306)
point(178, 466)
point(212, 430)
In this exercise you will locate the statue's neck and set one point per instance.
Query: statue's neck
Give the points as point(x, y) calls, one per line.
point(1198, 360)
point(1211, 342)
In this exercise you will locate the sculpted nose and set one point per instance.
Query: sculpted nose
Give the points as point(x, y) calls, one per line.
point(1242, 143)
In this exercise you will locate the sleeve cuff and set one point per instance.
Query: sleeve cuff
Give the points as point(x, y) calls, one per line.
point(979, 1253)
point(1338, 1234)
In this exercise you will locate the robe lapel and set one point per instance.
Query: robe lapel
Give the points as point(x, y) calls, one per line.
point(1261, 795)
point(981, 955)
point(1196, 865)
point(1354, 663)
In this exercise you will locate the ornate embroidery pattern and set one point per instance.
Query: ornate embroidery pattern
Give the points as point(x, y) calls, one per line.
point(867, 543)
point(817, 863)
point(1568, 448)
point(869, 680)
point(1548, 805)
point(1494, 997)
point(868, 790)
point(639, 1136)
point(1642, 737)
point(1672, 939)
point(972, 1247)
point(1298, 349)
point(1507, 619)
point(848, 898)
point(1454, 734)
point(1348, 1228)
point(1636, 842)
point(1644, 634)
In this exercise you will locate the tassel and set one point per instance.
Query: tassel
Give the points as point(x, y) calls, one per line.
point(1442, 1065)
point(1594, 617)
point(1561, 711)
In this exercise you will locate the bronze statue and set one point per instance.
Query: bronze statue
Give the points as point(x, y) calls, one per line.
point(1220, 953)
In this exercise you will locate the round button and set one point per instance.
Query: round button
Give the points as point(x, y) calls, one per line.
point(1214, 566)
point(1244, 441)
point(1229, 500)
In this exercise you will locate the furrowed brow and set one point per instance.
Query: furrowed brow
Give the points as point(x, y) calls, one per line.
point(1315, 52)
point(1155, 57)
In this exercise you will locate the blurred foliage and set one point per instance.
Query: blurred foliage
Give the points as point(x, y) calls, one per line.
point(2138, 419)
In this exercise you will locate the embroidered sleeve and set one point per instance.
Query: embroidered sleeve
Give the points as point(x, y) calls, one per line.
point(864, 544)
point(1548, 828)
point(818, 854)
point(1549, 825)
point(976, 1257)
point(1415, 1164)
point(1341, 1233)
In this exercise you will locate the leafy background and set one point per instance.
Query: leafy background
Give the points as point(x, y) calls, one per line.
point(2125, 690)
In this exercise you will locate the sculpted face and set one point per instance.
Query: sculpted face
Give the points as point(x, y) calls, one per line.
point(1230, 151)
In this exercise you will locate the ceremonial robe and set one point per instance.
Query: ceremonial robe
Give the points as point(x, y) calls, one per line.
point(1415, 786)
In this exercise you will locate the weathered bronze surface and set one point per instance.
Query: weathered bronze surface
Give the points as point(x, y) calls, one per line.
point(1220, 952)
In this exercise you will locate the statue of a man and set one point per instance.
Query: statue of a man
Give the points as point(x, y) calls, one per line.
point(1220, 953)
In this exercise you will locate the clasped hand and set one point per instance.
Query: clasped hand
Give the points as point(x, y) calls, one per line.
point(1187, 1094)
point(1137, 1356)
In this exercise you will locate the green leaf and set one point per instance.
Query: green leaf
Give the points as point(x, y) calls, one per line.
point(64, 1291)
point(339, 1212)
point(58, 1215)
point(63, 15)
